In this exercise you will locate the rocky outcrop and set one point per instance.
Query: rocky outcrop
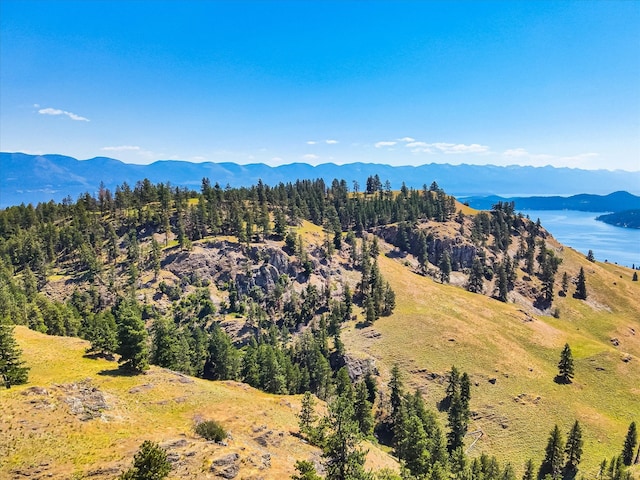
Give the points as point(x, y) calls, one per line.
point(227, 466)
point(439, 239)
point(222, 262)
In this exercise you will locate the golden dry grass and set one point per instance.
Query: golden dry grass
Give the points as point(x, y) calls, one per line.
point(39, 432)
point(436, 326)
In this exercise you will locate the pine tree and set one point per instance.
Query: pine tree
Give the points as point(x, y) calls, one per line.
point(629, 444)
point(476, 276)
point(581, 286)
point(457, 422)
point(12, 369)
point(306, 471)
point(445, 267)
point(307, 416)
point(362, 408)
point(343, 457)
point(103, 334)
point(554, 455)
point(573, 449)
point(149, 463)
point(132, 338)
point(590, 256)
point(528, 470)
point(565, 366)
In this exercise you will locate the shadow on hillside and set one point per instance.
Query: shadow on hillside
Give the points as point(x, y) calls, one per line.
point(104, 356)
point(561, 380)
point(118, 372)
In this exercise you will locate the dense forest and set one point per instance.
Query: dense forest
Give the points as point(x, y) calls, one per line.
point(111, 249)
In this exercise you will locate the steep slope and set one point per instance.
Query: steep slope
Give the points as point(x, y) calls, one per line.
point(511, 353)
point(79, 417)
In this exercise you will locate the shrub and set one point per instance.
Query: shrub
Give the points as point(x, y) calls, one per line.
point(149, 463)
point(211, 430)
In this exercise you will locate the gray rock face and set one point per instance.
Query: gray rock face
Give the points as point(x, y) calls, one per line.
point(227, 466)
point(461, 251)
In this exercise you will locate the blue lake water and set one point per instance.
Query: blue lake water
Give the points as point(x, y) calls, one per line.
point(581, 231)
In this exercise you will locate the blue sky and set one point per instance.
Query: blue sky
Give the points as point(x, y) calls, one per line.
point(401, 83)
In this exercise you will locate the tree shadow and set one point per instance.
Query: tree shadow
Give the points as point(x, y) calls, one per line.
point(100, 355)
point(562, 380)
point(118, 372)
point(444, 404)
point(363, 324)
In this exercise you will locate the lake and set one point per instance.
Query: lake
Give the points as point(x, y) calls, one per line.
point(581, 231)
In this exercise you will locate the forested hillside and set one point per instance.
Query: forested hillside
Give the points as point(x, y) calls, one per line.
point(303, 287)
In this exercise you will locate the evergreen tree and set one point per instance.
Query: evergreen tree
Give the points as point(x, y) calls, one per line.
point(554, 456)
point(565, 366)
point(306, 471)
point(362, 408)
point(344, 387)
point(132, 338)
point(581, 286)
point(457, 422)
point(635, 277)
point(573, 449)
point(565, 282)
point(476, 276)
point(445, 267)
point(590, 256)
point(149, 463)
point(343, 457)
point(307, 416)
point(102, 332)
point(395, 391)
point(529, 472)
point(12, 369)
point(223, 361)
point(629, 444)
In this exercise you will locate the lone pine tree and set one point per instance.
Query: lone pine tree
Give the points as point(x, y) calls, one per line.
point(581, 286)
point(565, 366)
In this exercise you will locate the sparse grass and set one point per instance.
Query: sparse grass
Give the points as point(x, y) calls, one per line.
point(162, 406)
point(436, 326)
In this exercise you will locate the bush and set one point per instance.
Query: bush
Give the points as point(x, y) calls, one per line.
point(149, 463)
point(211, 430)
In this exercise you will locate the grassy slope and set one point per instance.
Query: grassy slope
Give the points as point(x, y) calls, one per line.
point(38, 433)
point(435, 326)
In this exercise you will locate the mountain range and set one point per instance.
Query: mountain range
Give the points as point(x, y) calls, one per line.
point(40, 178)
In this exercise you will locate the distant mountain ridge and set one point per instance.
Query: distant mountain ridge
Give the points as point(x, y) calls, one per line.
point(40, 178)
point(613, 202)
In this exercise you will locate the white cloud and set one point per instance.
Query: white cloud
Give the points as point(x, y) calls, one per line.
point(414, 144)
point(407, 139)
point(453, 148)
point(515, 152)
point(57, 111)
point(331, 142)
point(310, 157)
point(384, 144)
point(446, 148)
point(311, 142)
point(122, 148)
point(541, 159)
